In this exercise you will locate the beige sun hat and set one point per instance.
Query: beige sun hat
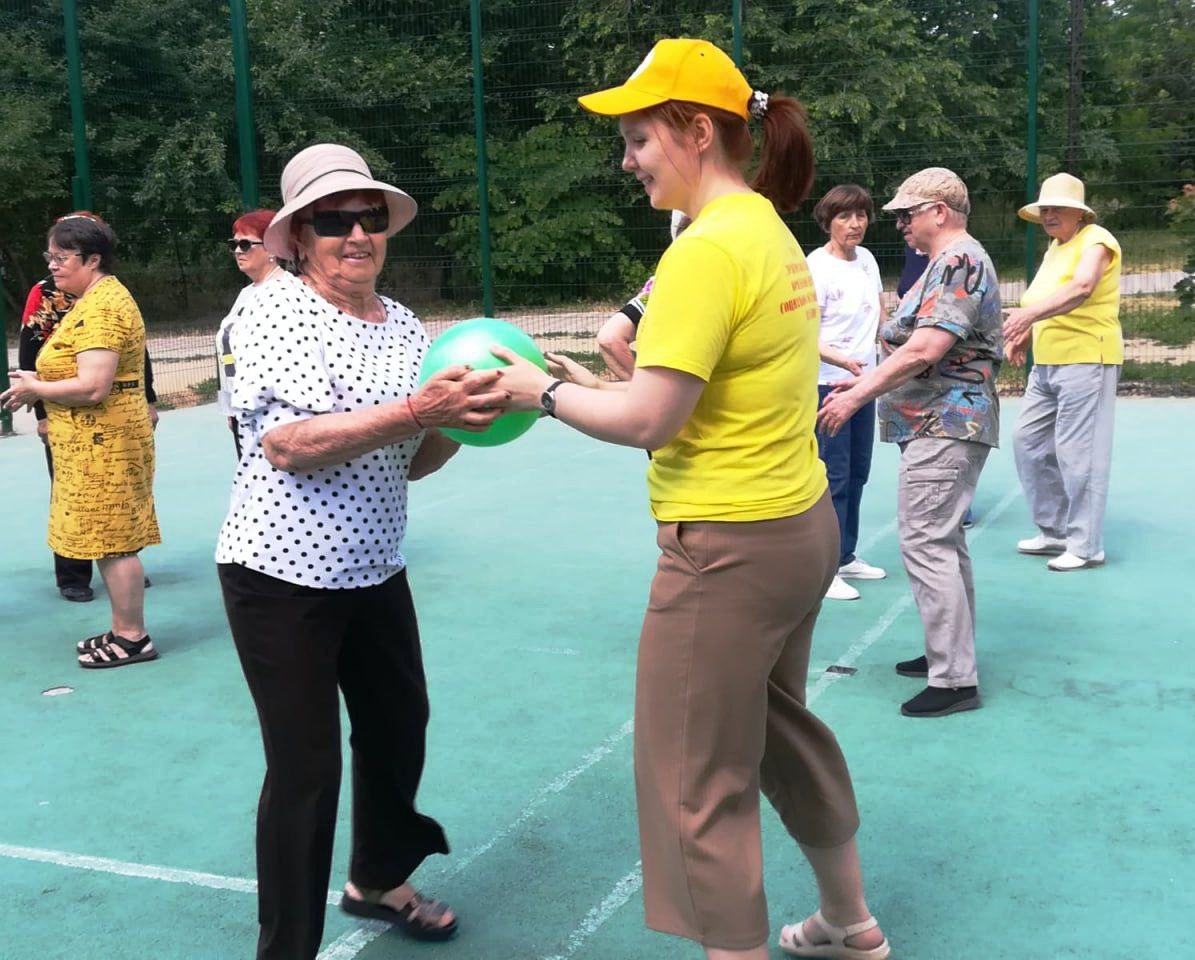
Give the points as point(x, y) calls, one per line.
point(932, 185)
point(318, 171)
point(1060, 190)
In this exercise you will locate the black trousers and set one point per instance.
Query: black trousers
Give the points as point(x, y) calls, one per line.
point(68, 572)
point(297, 645)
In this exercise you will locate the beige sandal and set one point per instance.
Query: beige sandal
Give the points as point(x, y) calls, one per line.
point(794, 941)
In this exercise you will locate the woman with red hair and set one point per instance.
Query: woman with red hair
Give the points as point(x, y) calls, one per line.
point(724, 394)
point(252, 260)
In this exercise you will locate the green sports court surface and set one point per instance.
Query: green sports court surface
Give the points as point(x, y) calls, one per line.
point(1054, 823)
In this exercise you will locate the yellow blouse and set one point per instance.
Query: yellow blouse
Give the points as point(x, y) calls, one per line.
point(101, 503)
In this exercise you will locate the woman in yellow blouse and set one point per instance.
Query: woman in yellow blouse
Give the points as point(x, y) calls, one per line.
point(724, 394)
point(1063, 439)
point(89, 376)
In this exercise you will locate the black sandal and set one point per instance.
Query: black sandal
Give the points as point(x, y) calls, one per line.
point(419, 918)
point(93, 643)
point(118, 652)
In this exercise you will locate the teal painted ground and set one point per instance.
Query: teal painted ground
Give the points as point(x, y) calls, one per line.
point(1054, 823)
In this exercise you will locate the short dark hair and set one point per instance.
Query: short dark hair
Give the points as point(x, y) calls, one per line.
point(840, 199)
point(87, 235)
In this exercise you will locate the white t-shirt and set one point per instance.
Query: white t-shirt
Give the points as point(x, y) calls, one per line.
point(225, 363)
point(297, 356)
point(848, 294)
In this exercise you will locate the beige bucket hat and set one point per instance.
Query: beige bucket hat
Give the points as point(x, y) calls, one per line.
point(1060, 190)
point(318, 171)
point(931, 185)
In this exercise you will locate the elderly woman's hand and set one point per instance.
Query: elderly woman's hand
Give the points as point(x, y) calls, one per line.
point(839, 407)
point(567, 369)
point(21, 392)
point(523, 381)
point(1016, 349)
point(461, 398)
point(1017, 322)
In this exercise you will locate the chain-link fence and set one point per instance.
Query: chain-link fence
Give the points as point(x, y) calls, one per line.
point(891, 86)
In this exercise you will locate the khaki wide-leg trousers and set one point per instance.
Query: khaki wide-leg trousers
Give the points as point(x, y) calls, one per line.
point(720, 714)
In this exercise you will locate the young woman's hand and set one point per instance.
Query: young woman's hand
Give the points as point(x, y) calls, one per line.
point(523, 381)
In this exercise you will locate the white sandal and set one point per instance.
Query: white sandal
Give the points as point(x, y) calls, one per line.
point(793, 940)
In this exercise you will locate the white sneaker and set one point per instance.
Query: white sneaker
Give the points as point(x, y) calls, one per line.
point(1042, 546)
point(1068, 562)
point(860, 570)
point(841, 590)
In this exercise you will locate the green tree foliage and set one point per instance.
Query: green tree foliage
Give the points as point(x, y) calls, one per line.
point(891, 85)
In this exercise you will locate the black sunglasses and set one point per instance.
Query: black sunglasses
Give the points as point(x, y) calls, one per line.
point(905, 217)
point(242, 245)
point(340, 223)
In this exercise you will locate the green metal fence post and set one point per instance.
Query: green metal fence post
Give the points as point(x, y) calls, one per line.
point(81, 182)
point(1031, 150)
point(737, 29)
point(5, 415)
point(483, 182)
point(1031, 136)
point(246, 128)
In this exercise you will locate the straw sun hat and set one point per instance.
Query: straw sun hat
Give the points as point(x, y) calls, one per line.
point(318, 171)
point(1060, 190)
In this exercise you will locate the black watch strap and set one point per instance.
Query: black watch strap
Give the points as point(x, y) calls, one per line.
point(547, 399)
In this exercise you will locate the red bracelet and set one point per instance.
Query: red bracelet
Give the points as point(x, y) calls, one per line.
point(414, 416)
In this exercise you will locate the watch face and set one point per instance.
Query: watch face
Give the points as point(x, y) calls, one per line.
point(547, 400)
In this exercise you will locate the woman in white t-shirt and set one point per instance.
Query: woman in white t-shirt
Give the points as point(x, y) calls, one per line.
point(848, 286)
point(253, 261)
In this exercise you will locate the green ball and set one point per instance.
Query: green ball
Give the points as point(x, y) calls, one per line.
point(469, 342)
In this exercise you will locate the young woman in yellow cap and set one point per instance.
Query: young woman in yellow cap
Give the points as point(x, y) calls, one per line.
point(724, 394)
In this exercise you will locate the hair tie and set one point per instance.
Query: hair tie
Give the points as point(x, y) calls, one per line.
point(757, 106)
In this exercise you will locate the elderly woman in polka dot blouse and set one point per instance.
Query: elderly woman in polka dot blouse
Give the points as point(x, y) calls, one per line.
point(333, 425)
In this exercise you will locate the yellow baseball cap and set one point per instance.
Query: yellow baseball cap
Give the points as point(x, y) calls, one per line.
point(693, 70)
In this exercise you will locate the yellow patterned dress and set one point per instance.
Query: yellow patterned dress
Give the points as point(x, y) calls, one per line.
point(101, 502)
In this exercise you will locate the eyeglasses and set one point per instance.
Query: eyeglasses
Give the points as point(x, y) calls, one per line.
point(59, 258)
point(243, 246)
point(340, 223)
point(905, 217)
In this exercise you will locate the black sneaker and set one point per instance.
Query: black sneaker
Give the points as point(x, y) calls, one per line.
point(939, 701)
point(76, 594)
point(917, 667)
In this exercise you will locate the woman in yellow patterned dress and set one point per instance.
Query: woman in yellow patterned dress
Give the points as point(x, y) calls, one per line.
point(89, 376)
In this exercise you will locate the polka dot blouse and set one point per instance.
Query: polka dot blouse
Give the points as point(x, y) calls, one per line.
point(335, 527)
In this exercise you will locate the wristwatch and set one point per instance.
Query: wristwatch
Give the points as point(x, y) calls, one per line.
point(547, 399)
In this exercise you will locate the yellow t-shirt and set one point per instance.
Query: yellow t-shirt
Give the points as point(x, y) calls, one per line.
point(1091, 332)
point(733, 304)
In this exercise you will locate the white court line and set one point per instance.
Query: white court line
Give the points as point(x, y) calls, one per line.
point(884, 531)
point(558, 651)
point(626, 887)
point(353, 942)
point(123, 868)
point(144, 871)
point(613, 902)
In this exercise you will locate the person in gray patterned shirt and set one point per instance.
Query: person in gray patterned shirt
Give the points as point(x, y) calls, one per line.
point(937, 389)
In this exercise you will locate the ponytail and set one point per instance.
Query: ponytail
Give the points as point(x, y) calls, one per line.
point(786, 165)
point(785, 174)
